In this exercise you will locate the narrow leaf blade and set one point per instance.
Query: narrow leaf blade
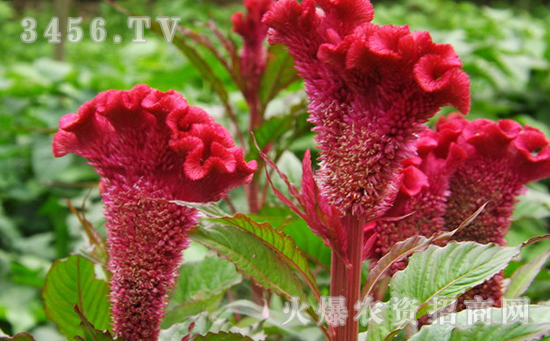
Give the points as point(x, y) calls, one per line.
point(399, 251)
point(279, 73)
point(269, 132)
point(524, 276)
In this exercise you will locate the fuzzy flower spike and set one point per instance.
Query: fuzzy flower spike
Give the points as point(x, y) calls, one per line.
point(254, 33)
point(370, 87)
point(150, 147)
point(503, 157)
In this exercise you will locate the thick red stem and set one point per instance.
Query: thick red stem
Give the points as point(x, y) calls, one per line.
point(346, 280)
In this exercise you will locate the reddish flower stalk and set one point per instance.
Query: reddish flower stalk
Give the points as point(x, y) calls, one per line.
point(254, 32)
point(150, 148)
point(370, 89)
point(253, 55)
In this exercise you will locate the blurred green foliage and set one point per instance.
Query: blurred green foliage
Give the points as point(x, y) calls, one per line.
point(506, 52)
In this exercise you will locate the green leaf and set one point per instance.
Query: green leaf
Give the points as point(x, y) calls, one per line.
point(278, 133)
point(284, 219)
point(221, 336)
point(459, 326)
point(200, 287)
point(533, 204)
point(280, 244)
point(205, 70)
point(380, 323)
point(399, 251)
point(450, 271)
point(279, 73)
point(513, 332)
point(90, 332)
point(71, 282)
point(494, 332)
point(202, 323)
point(252, 257)
point(383, 320)
point(404, 249)
point(182, 310)
point(539, 313)
point(202, 280)
point(524, 276)
point(18, 337)
point(308, 242)
point(200, 63)
point(269, 132)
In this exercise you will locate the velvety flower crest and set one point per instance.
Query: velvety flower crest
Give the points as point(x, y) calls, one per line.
point(370, 87)
point(502, 158)
point(150, 148)
point(144, 135)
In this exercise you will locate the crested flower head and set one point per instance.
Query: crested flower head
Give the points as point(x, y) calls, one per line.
point(503, 157)
point(144, 137)
point(150, 148)
point(458, 168)
point(370, 87)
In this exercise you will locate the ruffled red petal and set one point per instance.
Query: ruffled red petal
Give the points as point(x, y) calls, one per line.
point(147, 134)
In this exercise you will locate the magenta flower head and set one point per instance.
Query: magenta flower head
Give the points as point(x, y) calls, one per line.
point(423, 191)
point(502, 158)
point(370, 87)
point(458, 168)
point(150, 148)
point(254, 32)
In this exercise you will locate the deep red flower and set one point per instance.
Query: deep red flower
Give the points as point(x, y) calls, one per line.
point(458, 168)
point(370, 87)
point(502, 158)
point(254, 32)
point(423, 191)
point(150, 148)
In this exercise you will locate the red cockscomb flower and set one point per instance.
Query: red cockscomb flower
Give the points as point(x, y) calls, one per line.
point(458, 168)
point(502, 158)
point(423, 191)
point(370, 87)
point(150, 147)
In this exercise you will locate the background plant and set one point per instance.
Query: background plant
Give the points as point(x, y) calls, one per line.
point(507, 62)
